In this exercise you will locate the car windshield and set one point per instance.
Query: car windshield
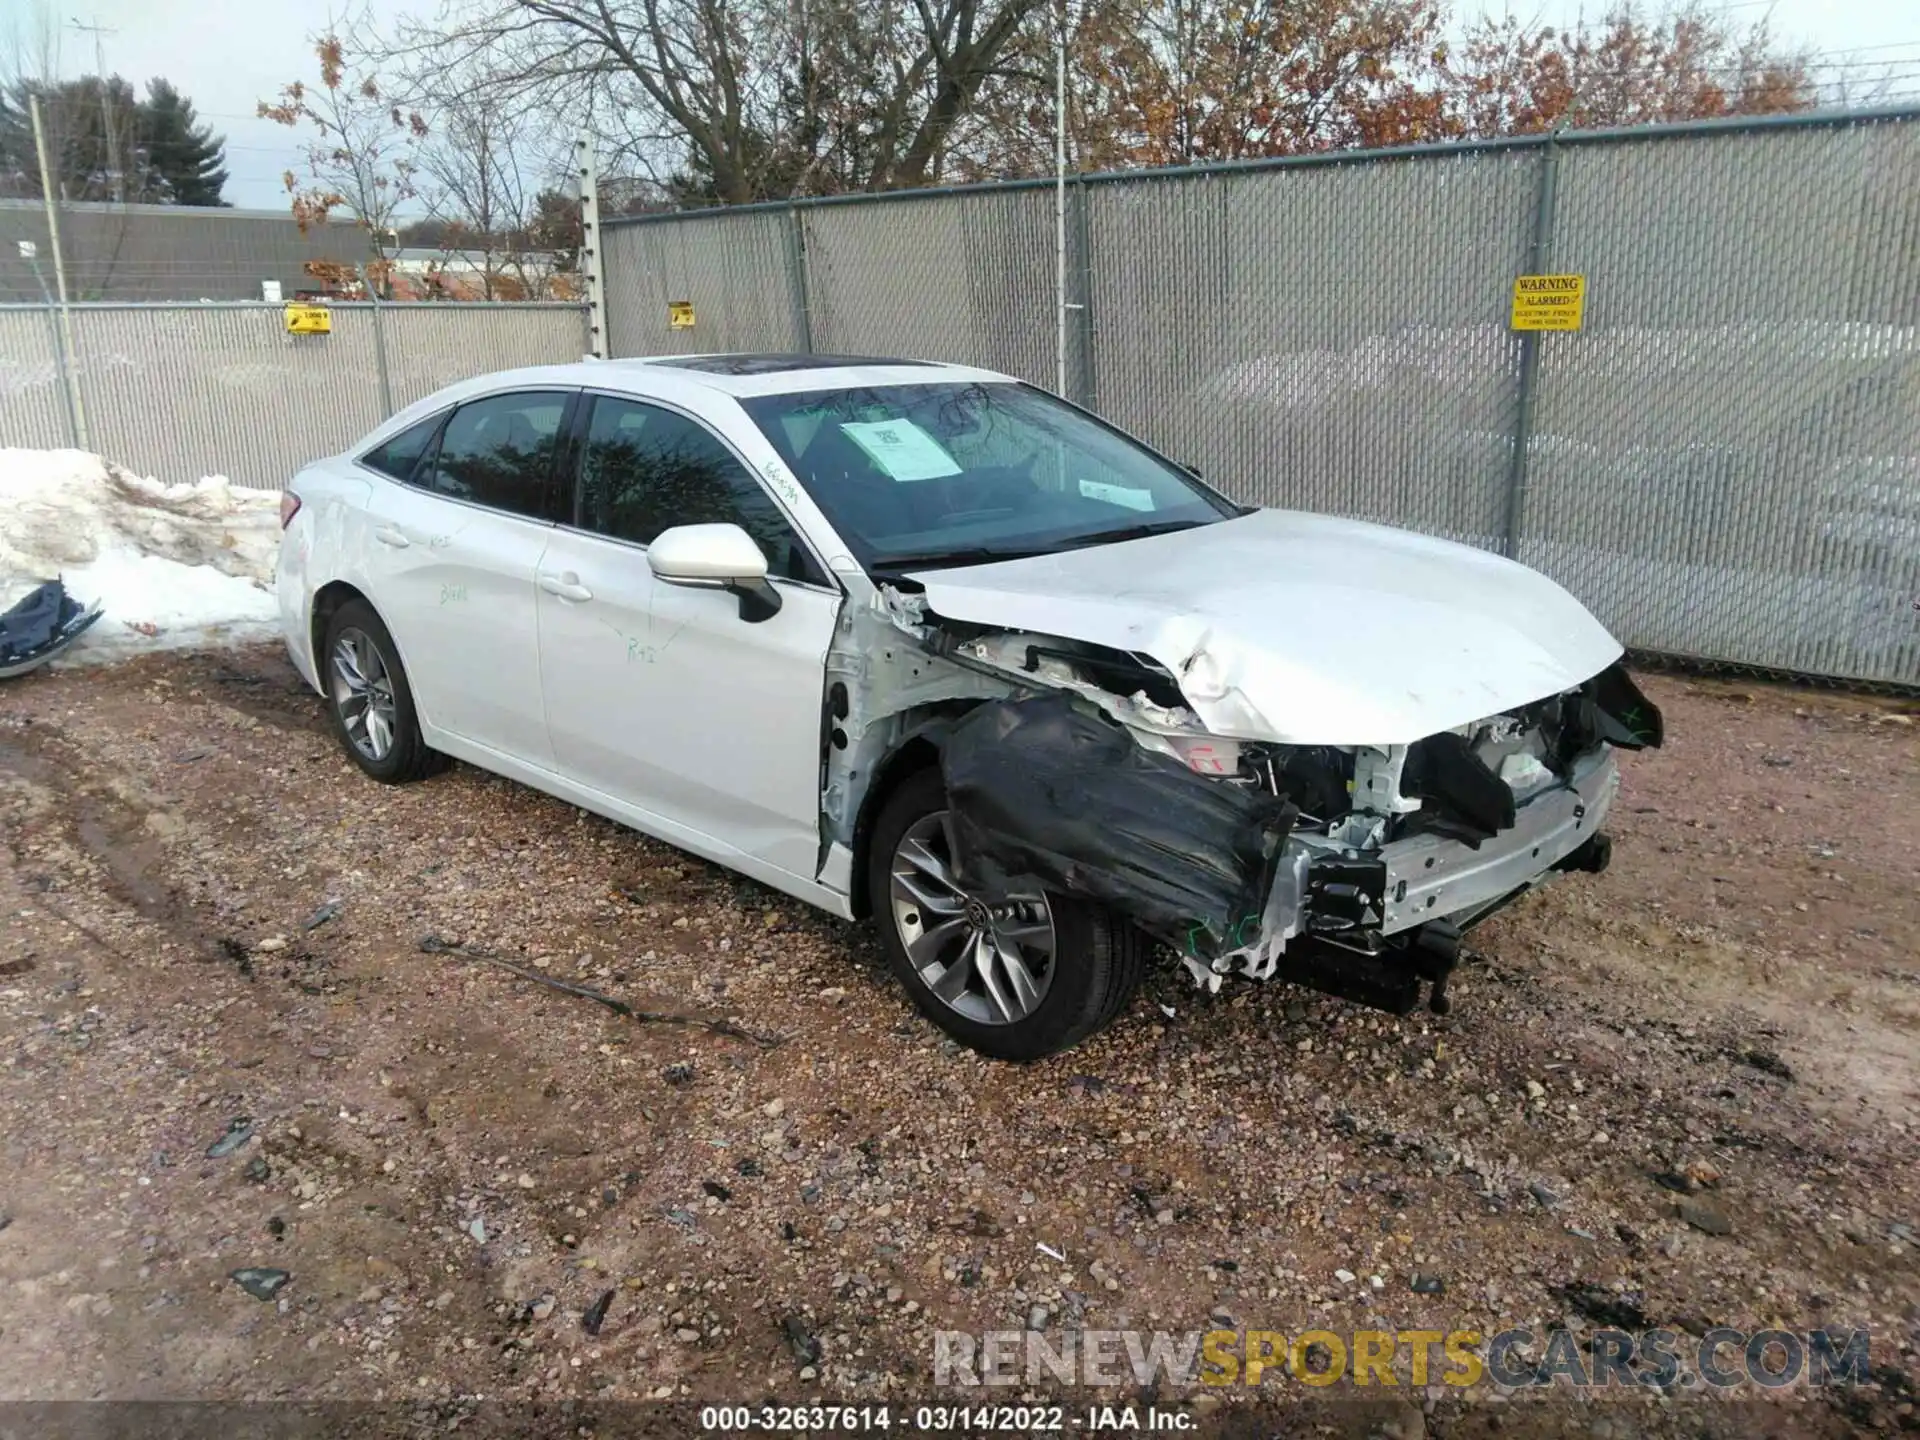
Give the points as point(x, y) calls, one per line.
point(960, 473)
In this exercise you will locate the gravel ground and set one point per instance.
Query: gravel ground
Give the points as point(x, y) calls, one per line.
point(214, 936)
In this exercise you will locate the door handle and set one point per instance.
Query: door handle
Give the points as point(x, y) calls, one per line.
point(567, 587)
point(387, 535)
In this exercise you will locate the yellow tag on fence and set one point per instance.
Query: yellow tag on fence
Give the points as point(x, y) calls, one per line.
point(679, 314)
point(1548, 302)
point(309, 320)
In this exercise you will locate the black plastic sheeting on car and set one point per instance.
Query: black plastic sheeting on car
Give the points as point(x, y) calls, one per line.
point(44, 622)
point(1038, 788)
point(1625, 717)
point(1469, 802)
point(1609, 708)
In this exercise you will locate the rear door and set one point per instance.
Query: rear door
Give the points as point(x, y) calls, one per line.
point(452, 562)
point(662, 696)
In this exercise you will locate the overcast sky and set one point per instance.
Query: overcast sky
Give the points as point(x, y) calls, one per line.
point(226, 55)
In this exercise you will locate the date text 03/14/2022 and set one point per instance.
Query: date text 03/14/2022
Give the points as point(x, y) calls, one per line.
point(938, 1419)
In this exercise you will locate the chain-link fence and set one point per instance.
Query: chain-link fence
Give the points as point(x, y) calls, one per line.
point(1724, 462)
point(180, 391)
point(742, 256)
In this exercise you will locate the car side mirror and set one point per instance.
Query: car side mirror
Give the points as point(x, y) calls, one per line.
point(716, 557)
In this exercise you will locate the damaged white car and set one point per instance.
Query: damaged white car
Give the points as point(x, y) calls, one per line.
point(925, 643)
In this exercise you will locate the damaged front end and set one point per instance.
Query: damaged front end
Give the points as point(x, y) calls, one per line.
point(1351, 869)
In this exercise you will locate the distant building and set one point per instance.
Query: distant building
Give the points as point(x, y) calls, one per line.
point(176, 252)
point(168, 252)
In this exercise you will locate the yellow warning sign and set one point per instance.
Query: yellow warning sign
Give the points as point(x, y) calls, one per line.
point(679, 314)
point(1548, 302)
point(309, 320)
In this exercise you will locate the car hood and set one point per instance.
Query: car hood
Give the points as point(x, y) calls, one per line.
point(1301, 628)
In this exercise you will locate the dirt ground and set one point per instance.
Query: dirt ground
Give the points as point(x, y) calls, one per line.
point(214, 928)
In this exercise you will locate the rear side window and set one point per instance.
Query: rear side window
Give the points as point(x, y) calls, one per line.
point(399, 456)
point(645, 469)
point(499, 452)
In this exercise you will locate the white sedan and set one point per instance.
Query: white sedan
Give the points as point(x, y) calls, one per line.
point(925, 643)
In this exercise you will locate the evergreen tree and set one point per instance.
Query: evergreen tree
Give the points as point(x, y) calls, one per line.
point(185, 162)
point(19, 170)
point(105, 143)
point(74, 114)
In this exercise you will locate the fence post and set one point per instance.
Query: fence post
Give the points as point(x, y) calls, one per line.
point(599, 341)
point(797, 280)
point(1086, 390)
point(1538, 248)
point(59, 351)
point(69, 354)
point(379, 346)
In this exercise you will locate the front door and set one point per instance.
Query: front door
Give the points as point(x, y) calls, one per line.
point(662, 696)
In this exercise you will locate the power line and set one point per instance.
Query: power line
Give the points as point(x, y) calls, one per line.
point(1862, 49)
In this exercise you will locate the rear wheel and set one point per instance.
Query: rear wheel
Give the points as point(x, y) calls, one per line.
point(370, 700)
point(1016, 976)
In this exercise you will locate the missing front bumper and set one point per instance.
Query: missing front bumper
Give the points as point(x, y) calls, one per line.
point(1429, 877)
point(1376, 927)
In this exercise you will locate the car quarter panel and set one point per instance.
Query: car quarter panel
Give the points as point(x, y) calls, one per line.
point(320, 546)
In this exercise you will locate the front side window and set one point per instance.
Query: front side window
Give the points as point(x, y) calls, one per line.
point(645, 469)
point(499, 452)
point(956, 472)
point(400, 456)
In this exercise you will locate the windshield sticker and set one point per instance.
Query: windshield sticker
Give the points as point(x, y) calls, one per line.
point(902, 449)
point(1117, 495)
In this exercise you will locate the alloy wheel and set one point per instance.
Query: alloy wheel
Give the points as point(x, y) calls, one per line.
point(988, 958)
point(363, 694)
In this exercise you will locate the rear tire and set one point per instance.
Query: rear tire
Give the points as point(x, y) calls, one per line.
point(370, 700)
point(1094, 967)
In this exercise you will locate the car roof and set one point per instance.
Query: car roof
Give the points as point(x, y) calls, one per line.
point(670, 377)
point(772, 364)
point(776, 374)
point(738, 375)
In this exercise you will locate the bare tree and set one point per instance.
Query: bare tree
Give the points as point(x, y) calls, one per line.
point(361, 155)
point(739, 100)
point(725, 101)
point(30, 47)
point(1632, 68)
point(1157, 82)
point(1174, 82)
point(482, 168)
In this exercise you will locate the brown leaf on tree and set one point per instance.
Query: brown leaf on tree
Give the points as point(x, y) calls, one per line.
point(359, 159)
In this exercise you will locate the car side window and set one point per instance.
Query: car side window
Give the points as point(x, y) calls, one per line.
point(499, 452)
point(399, 456)
point(645, 469)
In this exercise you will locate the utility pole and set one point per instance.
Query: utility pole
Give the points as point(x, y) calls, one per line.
point(69, 360)
point(114, 167)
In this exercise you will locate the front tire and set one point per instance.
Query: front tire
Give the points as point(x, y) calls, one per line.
point(1017, 976)
point(370, 700)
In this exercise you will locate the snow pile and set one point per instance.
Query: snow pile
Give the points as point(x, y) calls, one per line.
point(174, 565)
